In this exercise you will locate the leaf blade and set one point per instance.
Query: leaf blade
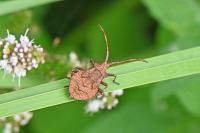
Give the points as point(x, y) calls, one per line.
point(17, 5)
point(164, 67)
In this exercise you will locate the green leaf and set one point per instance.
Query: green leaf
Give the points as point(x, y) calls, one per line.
point(17, 5)
point(186, 89)
point(136, 115)
point(182, 18)
point(164, 67)
point(182, 21)
point(189, 94)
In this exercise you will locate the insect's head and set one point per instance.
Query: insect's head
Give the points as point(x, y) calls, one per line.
point(102, 66)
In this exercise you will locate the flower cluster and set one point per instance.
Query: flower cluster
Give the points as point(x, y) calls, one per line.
point(19, 57)
point(13, 124)
point(107, 100)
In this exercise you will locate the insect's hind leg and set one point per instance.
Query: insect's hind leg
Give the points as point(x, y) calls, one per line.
point(105, 84)
point(76, 69)
point(68, 77)
point(100, 92)
point(113, 75)
point(92, 62)
point(66, 86)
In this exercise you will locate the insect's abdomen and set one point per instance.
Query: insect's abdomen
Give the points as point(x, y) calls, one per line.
point(82, 88)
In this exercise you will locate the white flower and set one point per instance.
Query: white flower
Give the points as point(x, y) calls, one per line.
point(1, 42)
point(14, 60)
point(29, 55)
point(8, 69)
point(117, 92)
point(2, 118)
point(21, 55)
point(3, 64)
point(8, 128)
point(6, 50)
point(24, 40)
point(13, 123)
point(26, 118)
point(94, 106)
point(29, 67)
point(16, 57)
point(27, 115)
point(41, 49)
point(74, 59)
point(17, 117)
point(10, 38)
point(20, 71)
point(108, 100)
point(34, 63)
point(21, 50)
point(113, 104)
point(18, 45)
point(5, 56)
point(25, 49)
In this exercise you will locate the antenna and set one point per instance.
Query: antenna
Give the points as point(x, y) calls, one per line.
point(124, 61)
point(107, 48)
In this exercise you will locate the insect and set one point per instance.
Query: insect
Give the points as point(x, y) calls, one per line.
point(84, 83)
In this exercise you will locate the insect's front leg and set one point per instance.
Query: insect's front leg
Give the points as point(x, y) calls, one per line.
point(113, 75)
point(80, 68)
point(76, 69)
point(105, 84)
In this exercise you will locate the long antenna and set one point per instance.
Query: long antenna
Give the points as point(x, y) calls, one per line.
point(107, 48)
point(124, 61)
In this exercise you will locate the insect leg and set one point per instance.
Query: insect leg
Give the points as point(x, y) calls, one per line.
point(115, 76)
point(92, 62)
point(76, 69)
point(100, 92)
point(66, 86)
point(79, 68)
point(105, 84)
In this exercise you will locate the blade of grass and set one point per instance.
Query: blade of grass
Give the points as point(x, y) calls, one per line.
point(29, 81)
point(159, 68)
point(16, 5)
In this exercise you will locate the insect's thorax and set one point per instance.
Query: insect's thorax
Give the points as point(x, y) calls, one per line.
point(98, 72)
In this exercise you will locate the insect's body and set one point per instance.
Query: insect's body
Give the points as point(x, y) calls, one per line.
point(84, 83)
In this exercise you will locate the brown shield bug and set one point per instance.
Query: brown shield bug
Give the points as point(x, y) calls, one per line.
point(84, 83)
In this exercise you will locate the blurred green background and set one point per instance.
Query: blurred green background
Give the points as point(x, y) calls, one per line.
point(135, 28)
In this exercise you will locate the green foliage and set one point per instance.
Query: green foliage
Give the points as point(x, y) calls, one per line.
point(17, 5)
point(133, 74)
point(185, 25)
